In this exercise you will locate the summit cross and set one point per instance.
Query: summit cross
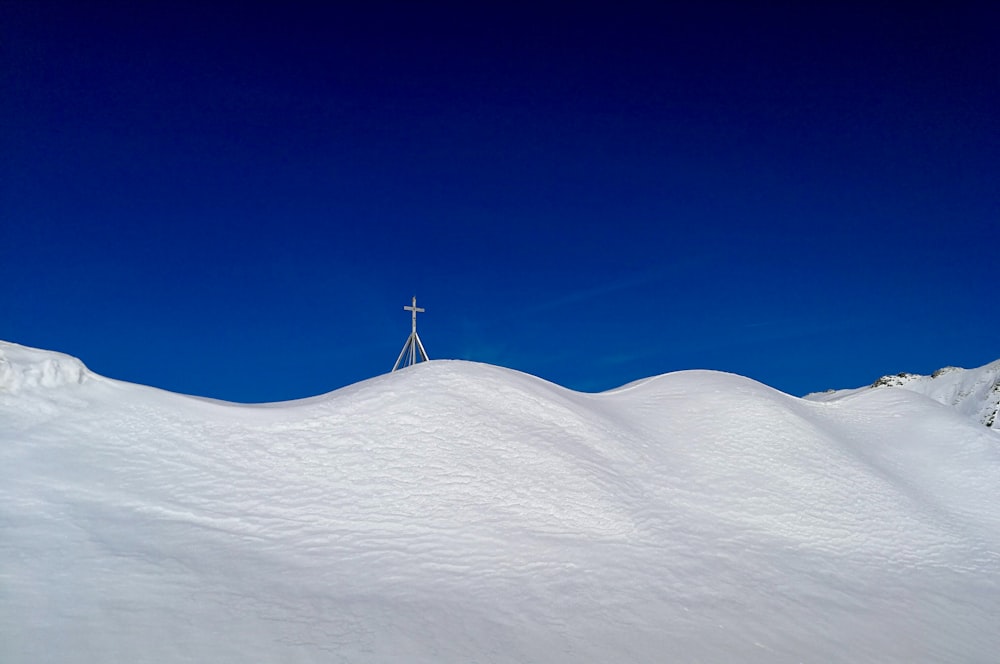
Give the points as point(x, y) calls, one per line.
point(413, 350)
point(415, 309)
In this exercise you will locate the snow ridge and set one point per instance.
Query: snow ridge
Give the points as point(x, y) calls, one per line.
point(457, 512)
point(23, 368)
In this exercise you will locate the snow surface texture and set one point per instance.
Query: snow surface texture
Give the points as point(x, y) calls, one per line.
point(460, 512)
point(974, 392)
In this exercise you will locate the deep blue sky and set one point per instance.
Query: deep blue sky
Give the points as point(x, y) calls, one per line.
point(236, 202)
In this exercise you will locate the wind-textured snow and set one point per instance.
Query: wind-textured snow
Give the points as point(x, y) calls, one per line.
point(460, 512)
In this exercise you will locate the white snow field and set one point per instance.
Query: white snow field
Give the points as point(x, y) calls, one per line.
point(460, 512)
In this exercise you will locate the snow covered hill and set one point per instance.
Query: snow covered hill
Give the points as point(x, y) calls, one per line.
point(460, 512)
point(973, 392)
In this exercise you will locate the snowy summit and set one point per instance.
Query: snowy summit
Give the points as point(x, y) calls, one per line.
point(461, 512)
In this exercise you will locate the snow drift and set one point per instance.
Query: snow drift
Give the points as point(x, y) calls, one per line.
point(460, 512)
point(26, 368)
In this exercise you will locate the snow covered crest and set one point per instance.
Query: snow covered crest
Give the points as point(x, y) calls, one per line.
point(459, 512)
point(29, 368)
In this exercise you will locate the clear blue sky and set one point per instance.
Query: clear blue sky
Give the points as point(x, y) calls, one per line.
point(237, 201)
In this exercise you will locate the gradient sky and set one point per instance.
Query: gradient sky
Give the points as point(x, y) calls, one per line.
point(236, 201)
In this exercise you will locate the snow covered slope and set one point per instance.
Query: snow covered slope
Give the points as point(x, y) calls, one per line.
point(973, 392)
point(459, 512)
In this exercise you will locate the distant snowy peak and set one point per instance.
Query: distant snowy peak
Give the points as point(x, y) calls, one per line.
point(898, 380)
point(973, 392)
point(24, 368)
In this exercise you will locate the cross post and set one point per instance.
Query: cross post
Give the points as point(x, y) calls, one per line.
point(415, 309)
